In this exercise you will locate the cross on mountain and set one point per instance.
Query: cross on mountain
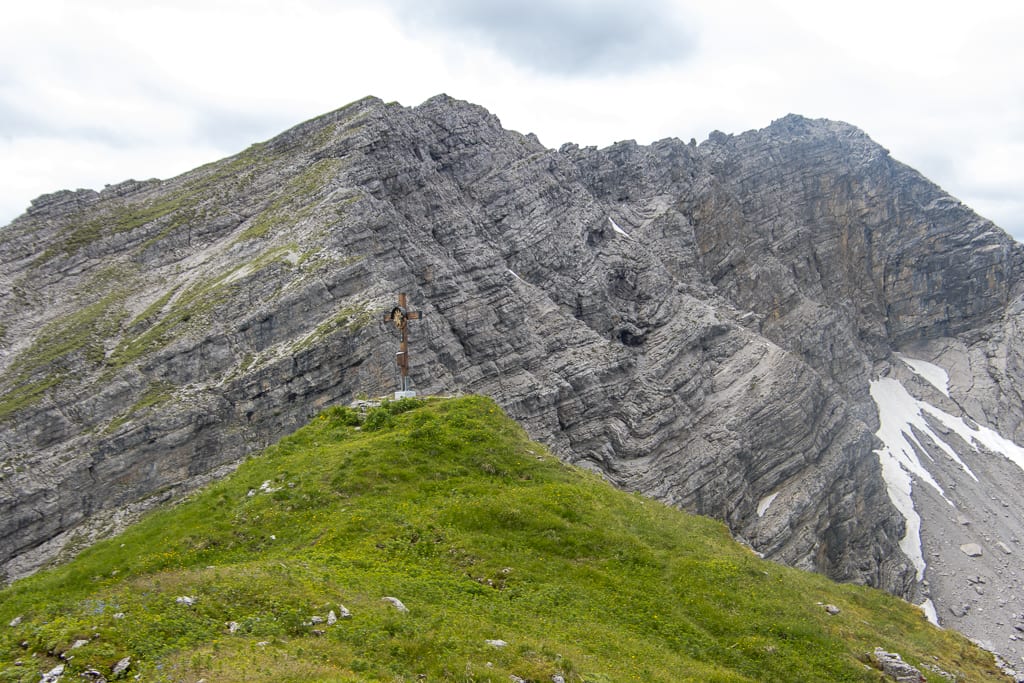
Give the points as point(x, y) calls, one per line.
point(400, 316)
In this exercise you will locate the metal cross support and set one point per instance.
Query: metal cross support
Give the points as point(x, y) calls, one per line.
point(400, 315)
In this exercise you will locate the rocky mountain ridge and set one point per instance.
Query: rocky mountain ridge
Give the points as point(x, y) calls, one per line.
point(701, 323)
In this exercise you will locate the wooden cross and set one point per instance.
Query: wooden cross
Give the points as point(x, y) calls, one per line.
point(400, 316)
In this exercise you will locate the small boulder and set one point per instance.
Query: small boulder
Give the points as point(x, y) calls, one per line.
point(396, 603)
point(496, 643)
point(15, 621)
point(343, 612)
point(832, 609)
point(53, 675)
point(186, 600)
point(892, 665)
point(232, 626)
point(332, 618)
point(971, 550)
point(121, 666)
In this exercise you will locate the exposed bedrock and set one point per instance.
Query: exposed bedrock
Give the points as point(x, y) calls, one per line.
point(700, 323)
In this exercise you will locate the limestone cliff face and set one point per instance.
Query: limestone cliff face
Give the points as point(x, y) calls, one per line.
point(698, 322)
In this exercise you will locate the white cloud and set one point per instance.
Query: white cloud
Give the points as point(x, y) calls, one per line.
point(94, 93)
point(564, 37)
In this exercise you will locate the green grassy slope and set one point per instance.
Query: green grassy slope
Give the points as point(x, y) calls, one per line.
point(448, 507)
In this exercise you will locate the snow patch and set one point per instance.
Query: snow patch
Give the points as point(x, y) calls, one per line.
point(899, 414)
point(928, 607)
point(895, 401)
point(765, 503)
point(898, 486)
point(514, 274)
point(901, 417)
point(979, 435)
point(929, 372)
point(616, 228)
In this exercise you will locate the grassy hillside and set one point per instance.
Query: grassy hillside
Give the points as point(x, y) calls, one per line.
point(483, 536)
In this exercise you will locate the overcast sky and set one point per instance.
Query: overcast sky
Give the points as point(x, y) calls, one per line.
point(94, 92)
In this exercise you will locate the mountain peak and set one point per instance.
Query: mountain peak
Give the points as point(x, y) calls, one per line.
point(700, 323)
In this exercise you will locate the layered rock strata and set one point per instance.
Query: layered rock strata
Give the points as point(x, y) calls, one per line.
point(700, 323)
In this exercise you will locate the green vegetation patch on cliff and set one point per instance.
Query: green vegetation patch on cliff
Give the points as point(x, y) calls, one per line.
point(182, 310)
point(295, 200)
point(43, 365)
point(188, 310)
point(177, 207)
point(350, 319)
point(509, 563)
point(87, 228)
point(154, 395)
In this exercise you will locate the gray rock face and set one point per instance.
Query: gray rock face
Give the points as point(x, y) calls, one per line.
point(893, 666)
point(699, 323)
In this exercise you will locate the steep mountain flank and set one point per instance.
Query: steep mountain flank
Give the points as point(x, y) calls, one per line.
point(699, 323)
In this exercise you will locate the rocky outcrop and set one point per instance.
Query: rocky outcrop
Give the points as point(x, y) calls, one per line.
point(697, 322)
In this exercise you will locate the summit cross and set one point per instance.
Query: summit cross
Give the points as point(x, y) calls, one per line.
point(400, 315)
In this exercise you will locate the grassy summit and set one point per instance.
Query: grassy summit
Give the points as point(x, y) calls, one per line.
point(448, 507)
